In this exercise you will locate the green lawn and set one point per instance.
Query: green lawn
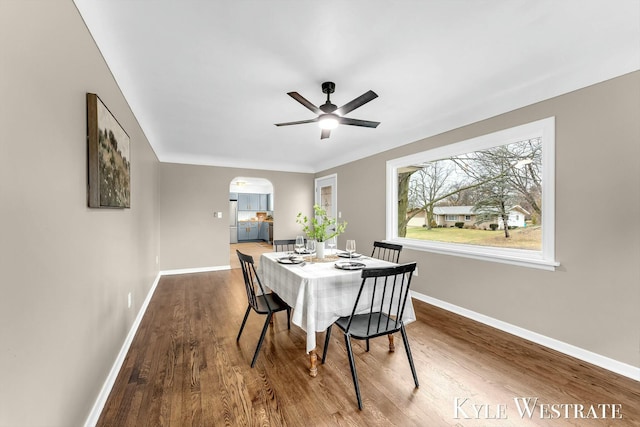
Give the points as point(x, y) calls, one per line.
point(520, 238)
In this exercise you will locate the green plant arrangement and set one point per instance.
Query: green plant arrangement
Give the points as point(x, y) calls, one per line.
point(321, 227)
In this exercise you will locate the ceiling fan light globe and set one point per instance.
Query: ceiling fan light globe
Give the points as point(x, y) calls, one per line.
point(328, 121)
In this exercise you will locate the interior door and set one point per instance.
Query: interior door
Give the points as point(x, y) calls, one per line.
point(327, 194)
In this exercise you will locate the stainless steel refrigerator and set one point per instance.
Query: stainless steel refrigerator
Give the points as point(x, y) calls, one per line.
point(233, 221)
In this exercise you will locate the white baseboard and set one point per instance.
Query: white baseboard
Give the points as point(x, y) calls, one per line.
point(98, 406)
point(194, 270)
point(568, 349)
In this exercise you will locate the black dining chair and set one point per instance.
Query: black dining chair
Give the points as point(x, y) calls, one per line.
point(386, 251)
point(286, 245)
point(380, 304)
point(260, 301)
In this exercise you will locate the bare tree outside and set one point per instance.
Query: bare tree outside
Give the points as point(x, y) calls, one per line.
point(429, 185)
point(493, 181)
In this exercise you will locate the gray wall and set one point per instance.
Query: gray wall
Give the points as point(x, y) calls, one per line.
point(592, 301)
point(192, 238)
point(65, 269)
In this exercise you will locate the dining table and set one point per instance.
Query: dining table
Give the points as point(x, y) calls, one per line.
point(318, 291)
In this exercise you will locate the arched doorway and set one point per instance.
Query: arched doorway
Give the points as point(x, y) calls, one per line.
point(251, 201)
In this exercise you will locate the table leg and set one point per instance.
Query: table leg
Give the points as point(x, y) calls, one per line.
point(392, 346)
point(313, 362)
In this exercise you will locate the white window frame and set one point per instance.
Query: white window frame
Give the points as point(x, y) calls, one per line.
point(543, 259)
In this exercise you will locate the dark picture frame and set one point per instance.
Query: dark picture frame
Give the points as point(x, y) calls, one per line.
point(109, 160)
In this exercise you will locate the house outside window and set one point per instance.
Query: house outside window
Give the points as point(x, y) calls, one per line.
point(500, 184)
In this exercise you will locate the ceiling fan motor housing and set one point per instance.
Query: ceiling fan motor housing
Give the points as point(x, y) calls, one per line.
point(328, 107)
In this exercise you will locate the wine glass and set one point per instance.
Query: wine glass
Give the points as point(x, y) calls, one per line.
point(331, 243)
point(299, 244)
point(311, 248)
point(351, 247)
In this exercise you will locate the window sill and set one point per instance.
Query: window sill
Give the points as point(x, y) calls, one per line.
point(522, 258)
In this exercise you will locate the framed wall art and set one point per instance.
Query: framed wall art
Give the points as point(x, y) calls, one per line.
point(109, 158)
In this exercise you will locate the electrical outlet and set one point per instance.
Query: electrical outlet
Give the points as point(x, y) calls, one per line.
point(219, 214)
point(415, 273)
point(129, 300)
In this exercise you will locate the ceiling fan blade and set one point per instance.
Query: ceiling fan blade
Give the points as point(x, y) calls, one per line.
point(359, 101)
point(302, 100)
point(325, 133)
point(358, 122)
point(299, 122)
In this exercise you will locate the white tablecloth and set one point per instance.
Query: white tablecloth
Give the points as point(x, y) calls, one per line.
point(318, 292)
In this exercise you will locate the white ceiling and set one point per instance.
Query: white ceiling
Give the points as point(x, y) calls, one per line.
point(207, 80)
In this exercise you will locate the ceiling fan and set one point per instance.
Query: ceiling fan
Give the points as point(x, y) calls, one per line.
point(329, 115)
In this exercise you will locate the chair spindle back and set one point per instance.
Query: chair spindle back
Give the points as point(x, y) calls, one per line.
point(386, 251)
point(286, 245)
point(387, 289)
point(252, 281)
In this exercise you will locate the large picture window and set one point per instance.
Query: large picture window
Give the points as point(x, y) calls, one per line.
point(490, 197)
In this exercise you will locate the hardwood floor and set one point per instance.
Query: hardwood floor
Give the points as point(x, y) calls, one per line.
point(255, 249)
point(185, 368)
